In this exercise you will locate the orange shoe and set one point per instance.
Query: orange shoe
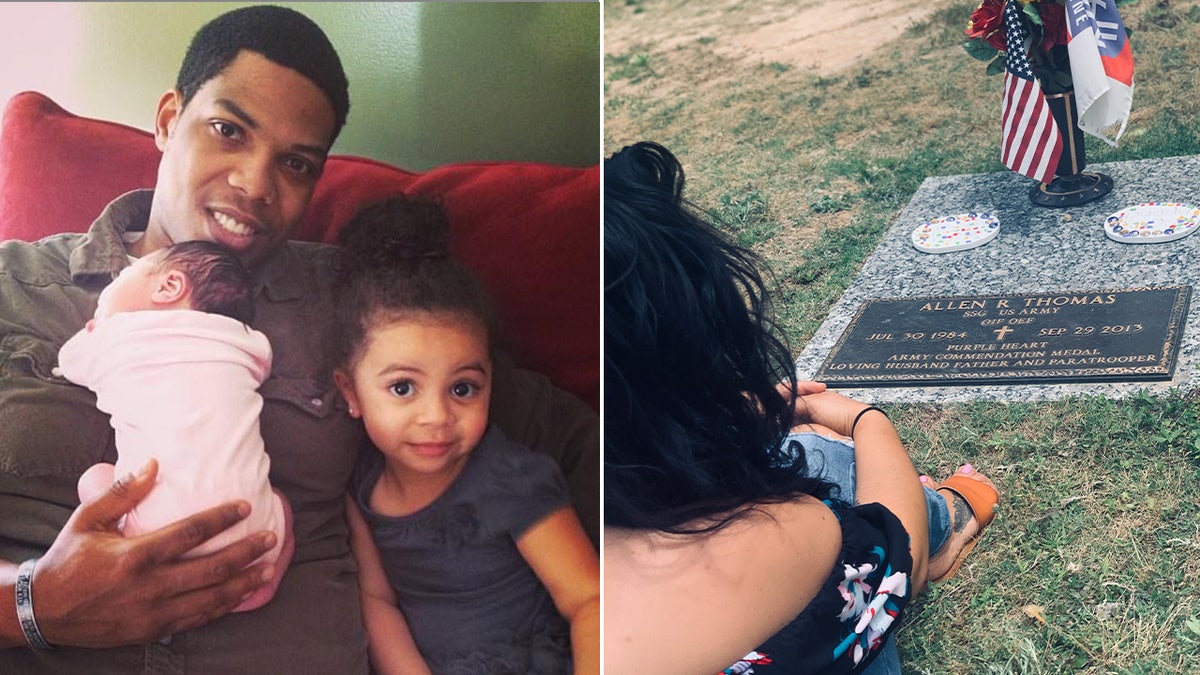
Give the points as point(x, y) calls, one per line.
point(983, 499)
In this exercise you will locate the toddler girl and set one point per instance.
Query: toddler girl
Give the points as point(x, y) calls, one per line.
point(471, 559)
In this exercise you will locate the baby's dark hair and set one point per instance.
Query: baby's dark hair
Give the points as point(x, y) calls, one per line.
point(220, 283)
point(284, 36)
point(693, 424)
point(395, 263)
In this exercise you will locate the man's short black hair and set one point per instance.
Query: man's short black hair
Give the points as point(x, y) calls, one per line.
point(284, 36)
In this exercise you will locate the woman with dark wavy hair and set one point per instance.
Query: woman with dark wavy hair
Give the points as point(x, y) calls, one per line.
point(730, 530)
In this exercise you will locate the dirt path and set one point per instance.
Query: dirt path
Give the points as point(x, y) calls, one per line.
point(824, 36)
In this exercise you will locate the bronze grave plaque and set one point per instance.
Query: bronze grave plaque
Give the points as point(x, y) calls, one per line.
point(1070, 336)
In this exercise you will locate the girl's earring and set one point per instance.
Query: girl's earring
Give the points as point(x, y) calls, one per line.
point(353, 412)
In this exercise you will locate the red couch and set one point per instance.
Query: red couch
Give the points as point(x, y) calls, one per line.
point(531, 231)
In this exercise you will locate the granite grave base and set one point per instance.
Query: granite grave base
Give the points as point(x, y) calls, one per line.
point(1037, 250)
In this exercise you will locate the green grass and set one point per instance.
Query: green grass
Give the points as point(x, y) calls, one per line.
point(632, 67)
point(745, 213)
point(1099, 530)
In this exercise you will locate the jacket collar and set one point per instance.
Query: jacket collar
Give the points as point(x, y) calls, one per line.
point(103, 253)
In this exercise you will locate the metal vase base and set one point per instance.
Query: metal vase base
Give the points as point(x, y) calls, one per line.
point(1067, 191)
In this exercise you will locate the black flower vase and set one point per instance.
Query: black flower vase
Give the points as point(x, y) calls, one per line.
point(1072, 185)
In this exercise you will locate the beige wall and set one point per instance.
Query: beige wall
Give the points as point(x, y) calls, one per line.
point(430, 83)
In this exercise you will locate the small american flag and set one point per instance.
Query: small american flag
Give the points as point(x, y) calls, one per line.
point(1031, 144)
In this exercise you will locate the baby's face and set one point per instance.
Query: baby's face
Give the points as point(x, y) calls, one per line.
point(132, 288)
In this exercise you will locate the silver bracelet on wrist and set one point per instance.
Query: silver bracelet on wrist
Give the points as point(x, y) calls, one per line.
point(24, 594)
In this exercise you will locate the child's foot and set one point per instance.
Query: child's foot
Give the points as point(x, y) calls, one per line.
point(971, 499)
point(287, 549)
point(97, 479)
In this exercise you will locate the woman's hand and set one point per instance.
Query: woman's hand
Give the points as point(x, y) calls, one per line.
point(803, 388)
point(829, 409)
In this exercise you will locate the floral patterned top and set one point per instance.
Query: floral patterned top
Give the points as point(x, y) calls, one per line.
point(846, 625)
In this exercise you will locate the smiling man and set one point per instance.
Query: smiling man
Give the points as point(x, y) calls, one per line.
point(240, 158)
point(260, 98)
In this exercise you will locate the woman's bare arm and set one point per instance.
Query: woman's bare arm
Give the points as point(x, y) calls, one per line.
point(883, 471)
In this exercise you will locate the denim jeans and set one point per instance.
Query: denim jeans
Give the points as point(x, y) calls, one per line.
point(833, 460)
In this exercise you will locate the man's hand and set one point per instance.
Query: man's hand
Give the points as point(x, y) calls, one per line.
point(95, 588)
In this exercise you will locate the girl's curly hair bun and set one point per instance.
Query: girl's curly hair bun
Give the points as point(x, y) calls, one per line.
point(396, 234)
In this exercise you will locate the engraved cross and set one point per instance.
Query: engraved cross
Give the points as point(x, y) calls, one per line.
point(1001, 332)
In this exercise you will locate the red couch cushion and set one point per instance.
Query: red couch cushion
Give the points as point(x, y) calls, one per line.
point(531, 231)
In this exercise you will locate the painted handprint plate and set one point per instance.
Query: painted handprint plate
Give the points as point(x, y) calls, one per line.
point(955, 233)
point(1152, 223)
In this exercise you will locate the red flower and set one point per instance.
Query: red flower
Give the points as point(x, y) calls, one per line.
point(987, 22)
point(1054, 25)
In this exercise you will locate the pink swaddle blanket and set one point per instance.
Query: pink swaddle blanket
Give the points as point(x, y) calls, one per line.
point(182, 387)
